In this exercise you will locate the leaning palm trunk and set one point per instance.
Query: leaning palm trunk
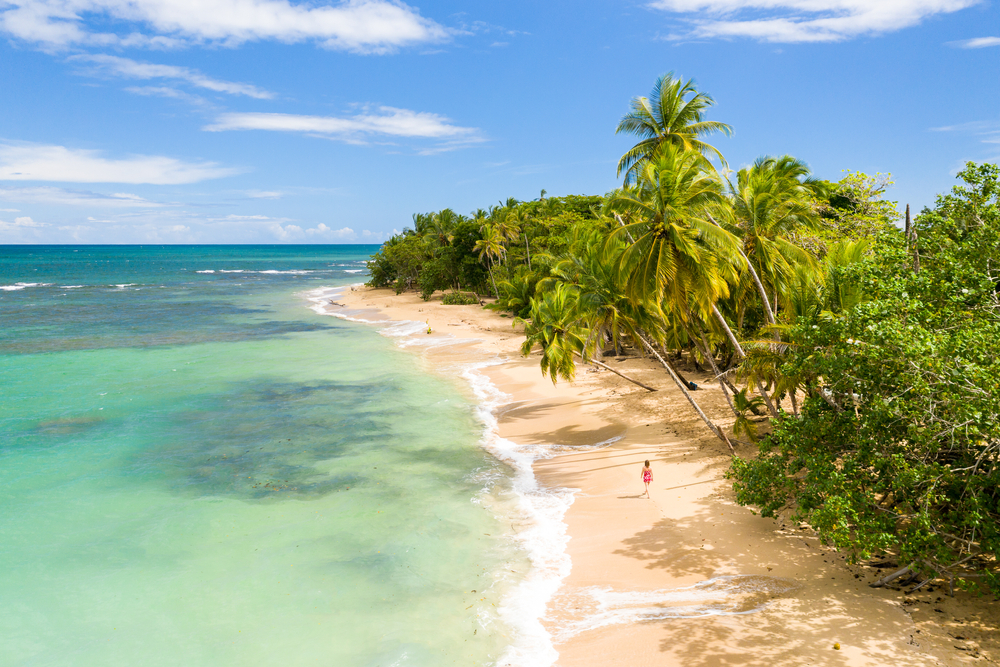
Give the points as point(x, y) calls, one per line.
point(707, 353)
point(719, 433)
point(760, 287)
point(742, 355)
point(619, 374)
point(493, 280)
point(756, 278)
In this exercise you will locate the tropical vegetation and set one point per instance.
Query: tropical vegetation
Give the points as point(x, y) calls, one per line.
point(858, 359)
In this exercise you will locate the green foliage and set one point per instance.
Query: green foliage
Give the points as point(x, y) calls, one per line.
point(398, 261)
point(446, 250)
point(552, 328)
point(898, 444)
point(673, 115)
point(435, 274)
point(745, 404)
point(460, 299)
point(852, 209)
point(517, 292)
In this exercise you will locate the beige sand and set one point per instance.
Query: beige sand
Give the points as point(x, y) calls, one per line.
point(774, 595)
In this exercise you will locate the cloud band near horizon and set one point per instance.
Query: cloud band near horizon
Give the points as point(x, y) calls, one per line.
point(34, 162)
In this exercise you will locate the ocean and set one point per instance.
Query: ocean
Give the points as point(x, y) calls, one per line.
point(199, 468)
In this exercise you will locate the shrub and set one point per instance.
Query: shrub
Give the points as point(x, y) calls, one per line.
point(460, 299)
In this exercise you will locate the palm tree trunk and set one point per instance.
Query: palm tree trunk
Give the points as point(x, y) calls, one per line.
point(526, 250)
point(493, 280)
point(756, 279)
point(760, 287)
point(707, 352)
point(742, 355)
point(608, 368)
point(673, 375)
point(690, 385)
point(627, 232)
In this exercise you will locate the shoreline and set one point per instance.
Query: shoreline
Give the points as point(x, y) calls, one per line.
point(687, 577)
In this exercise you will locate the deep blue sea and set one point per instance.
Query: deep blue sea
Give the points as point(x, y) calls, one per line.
point(198, 470)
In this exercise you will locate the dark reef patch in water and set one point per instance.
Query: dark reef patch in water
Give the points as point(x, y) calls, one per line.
point(68, 425)
point(274, 440)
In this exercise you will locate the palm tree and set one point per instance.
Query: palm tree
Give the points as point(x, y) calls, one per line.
point(674, 252)
point(505, 220)
point(744, 424)
point(551, 328)
point(673, 114)
point(490, 247)
point(676, 259)
point(440, 227)
point(555, 327)
point(772, 201)
point(601, 304)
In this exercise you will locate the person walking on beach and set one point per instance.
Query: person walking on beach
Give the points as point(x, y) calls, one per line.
point(647, 476)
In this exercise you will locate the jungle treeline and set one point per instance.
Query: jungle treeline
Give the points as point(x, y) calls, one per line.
point(858, 349)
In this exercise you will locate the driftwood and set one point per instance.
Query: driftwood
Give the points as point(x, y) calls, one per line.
point(892, 577)
point(608, 368)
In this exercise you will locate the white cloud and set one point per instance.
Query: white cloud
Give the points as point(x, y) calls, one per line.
point(131, 69)
point(264, 194)
point(64, 197)
point(342, 234)
point(321, 232)
point(804, 20)
point(22, 230)
point(377, 237)
point(232, 217)
point(24, 221)
point(33, 162)
point(166, 91)
point(978, 42)
point(387, 122)
point(372, 26)
point(286, 233)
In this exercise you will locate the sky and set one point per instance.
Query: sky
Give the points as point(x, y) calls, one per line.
point(270, 121)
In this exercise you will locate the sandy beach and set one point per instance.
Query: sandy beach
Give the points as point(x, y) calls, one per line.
point(687, 576)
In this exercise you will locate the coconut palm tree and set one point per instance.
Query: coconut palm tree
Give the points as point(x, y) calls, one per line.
point(676, 260)
point(601, 303)
point(553, 329)
point(506, 222)
point(555, 326)
point(674, 252)
point(772, 201)
point(440, 227)
point(674, 113)
point(490, 246)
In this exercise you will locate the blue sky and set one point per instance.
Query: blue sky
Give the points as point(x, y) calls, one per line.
point(265, 121)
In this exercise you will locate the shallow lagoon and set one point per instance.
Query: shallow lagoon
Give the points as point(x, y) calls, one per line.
point(197, 469)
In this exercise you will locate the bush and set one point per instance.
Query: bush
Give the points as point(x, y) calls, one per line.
point(460, 299)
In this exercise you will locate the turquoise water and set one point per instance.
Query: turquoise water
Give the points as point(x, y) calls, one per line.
point(196, 469)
